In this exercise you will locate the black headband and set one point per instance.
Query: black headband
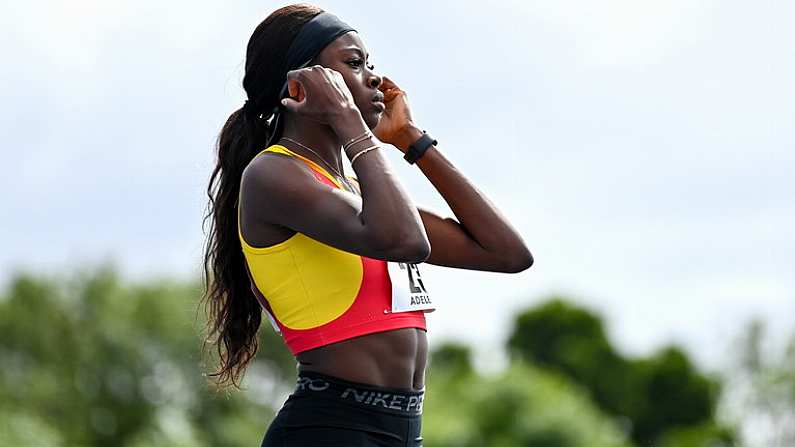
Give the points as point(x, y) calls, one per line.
point(314, 36)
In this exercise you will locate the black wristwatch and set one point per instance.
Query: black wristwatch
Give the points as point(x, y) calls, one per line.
point(418, 148)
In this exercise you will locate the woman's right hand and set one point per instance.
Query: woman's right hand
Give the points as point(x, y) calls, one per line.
point(318, 93)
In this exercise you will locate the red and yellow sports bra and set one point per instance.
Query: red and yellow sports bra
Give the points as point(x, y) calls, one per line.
point(315, 294)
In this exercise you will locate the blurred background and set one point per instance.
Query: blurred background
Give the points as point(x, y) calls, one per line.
point(643, 149)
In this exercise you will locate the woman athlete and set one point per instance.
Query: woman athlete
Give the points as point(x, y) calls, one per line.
point(326, 254)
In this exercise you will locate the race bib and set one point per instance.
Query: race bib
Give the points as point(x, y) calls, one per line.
point(408, 290)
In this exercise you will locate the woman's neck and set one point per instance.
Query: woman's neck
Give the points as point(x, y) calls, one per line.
point(317, 136)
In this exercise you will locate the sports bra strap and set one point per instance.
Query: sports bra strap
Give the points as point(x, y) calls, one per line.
point(283, 150)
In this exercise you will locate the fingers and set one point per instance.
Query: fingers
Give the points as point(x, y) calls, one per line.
point(301, 73)
point(392, 93)
point(292, 105)
point(326, 84)
point(390, 89)
point(294, 89)
point(298, 79)
point(387, 84)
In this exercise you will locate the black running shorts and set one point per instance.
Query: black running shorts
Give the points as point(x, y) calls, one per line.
point(324, 411)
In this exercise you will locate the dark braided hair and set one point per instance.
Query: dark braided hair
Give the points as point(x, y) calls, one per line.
point(234, 315)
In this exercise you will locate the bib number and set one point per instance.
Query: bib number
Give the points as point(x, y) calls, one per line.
point(408, 291)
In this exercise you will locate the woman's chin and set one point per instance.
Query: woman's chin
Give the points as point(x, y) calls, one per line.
point(372, 120)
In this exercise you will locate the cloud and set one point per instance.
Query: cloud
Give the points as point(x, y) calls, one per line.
point(643, 149)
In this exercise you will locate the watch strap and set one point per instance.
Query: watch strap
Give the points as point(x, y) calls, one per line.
point(417, 149)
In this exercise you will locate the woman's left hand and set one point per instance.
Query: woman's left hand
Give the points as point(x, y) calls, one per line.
point(396, 119)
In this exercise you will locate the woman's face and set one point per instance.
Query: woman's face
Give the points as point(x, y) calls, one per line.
point(348, 55)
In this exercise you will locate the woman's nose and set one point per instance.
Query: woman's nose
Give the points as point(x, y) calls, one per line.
point(375, 81)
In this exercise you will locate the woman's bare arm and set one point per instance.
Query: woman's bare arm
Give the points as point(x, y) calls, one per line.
point(482, 238)
point(383, 224)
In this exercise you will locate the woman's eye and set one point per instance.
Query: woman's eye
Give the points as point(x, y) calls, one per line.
point(358, 63)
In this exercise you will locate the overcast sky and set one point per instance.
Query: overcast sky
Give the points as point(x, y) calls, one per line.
point(644, 150)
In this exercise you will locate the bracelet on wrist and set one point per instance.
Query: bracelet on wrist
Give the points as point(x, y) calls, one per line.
point(357, 139)
point(376, 146)
point(369, 140)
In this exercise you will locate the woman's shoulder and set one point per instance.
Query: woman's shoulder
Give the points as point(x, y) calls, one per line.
point(272, 162)
point(271, 181)
point(273, 151)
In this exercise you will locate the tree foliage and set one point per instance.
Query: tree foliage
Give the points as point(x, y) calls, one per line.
point(88, 360)
point(656, 394)
point(91, 360)
point(522, 406)
point(761, 392)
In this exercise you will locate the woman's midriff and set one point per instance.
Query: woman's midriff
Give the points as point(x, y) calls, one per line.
point(394, 359)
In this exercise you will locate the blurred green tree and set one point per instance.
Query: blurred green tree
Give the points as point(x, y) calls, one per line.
point(655, 394)
point(453, 357)
point(89, 361)
point(761, 392)
point(522, 406)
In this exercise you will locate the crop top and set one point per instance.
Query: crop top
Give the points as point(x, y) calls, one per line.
point(315, 294)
